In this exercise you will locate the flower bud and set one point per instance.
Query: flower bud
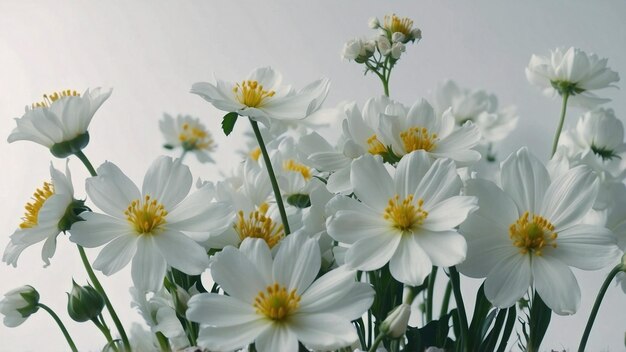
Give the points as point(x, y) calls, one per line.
point(398, 37)
point(84, 303)
point(18, 304)
point(352, 49)
point(383, 44)
point(397, 49)
point(396, 322)
point(374, 23)
point(416, 34)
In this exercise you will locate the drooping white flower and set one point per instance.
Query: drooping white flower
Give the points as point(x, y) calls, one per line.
point(18, 304)
point(529, 232)
point(262, 97)
point(277, 302)
point(408, 221)
point(154, 227)
point(477, 106)
point(46, 216)
point(571, 71)
point(189, 134)
point(60, 121)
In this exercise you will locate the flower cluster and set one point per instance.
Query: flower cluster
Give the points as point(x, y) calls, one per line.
point(316, 244)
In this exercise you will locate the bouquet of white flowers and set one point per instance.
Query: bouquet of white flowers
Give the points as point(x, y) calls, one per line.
point(318, 245)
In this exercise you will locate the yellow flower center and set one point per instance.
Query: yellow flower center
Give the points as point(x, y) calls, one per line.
point(276, 302)
point(195, 137)
point(532, 234)
point(292, 165)
point(405, 215)
point(418, 138)
point(259, 225)
point(376, 147)
point(393, 24)
point(32, 208)
point(48, 99)
point(255, 154)
point(251, 94)
point(147, 216)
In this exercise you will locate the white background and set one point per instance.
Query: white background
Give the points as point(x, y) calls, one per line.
point(151, 52)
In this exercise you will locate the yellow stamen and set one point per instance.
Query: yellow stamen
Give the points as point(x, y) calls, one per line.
point(259, 225)
point(32, 209)
point(147, 216)
point(418, 138)
point(376, 147)
point(255, 154)
point(532, 235)
point(393, 24)
point(252, 94)
point(276, 302)
point(48, 99)
point(292, 165)
point(195, 136)
point(405, 215)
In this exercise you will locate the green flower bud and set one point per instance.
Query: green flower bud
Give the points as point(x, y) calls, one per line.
point(84, 303)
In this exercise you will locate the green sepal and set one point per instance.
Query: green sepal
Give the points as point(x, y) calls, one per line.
point(84, 303)
point(168, 146)
point(228, 122)
point(299, 200)
point(72, 214)
point(32, 299)
point(565, 87)
point(64, 149)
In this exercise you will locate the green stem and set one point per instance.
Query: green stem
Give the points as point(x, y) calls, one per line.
point(429, 295)
point(163, 342)
point(105, 331)
point(446, 300)
point(596, 306)
point(61, 326)
point(92, 275)
point(270, 171)
point(561, 121)
point(377, 342)
point(183, 154)
point(458, 297)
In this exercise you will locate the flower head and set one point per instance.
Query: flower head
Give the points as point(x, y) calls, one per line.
point(573, 72)
point(189, 134)
point(393, 24)
point(277, 302)
point(262, 97)
point(154, 227)
point(60, 121)
point(529, 232)
point(18, 304)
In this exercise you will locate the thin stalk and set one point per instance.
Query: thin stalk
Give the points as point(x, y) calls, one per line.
point(561, 121)
point(446, 300)
point(377, 342)
point(61, 326)
point(458, 297)
point(429, 295)
point(596, 306)
point(270, 171)
point(163, 342)
point(105, 331)
point(92, 276)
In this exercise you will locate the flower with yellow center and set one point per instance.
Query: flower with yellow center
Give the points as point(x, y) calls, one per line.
point(262, 97)
point(155, 227)
point(60, 121)
point(528, 233)
point(276, 302)
point(394, 24)
point(188, 133)
point(407, 221)
point(258, 225)
point(44, 217)
point(292, 165)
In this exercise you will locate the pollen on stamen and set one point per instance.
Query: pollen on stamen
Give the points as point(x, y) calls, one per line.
point(406, 214)
point(376, 147)
point(195, 137)
point(258, 225)
point(292, 165)
point(418, 138)
point(252, 94)
point(146, 216)
point(532, 234)
point(276, 303)
point(48, 99)
point(40, 196)
point(393, 24)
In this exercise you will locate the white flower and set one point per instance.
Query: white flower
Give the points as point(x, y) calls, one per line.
point(277, 302)
point(396, 322)
point(160, 314)
point(528, 233)
point(408, 222)
point(18, 304)
point(373, 23)
point(571, 71)
point(383, 44)
point(152, 226)
point(189, 134)
point(393, 24)
point(45, 217)
point(262, 97)
point(355, 49)
point(476, 106)
point(61, 117)
point(599, 131)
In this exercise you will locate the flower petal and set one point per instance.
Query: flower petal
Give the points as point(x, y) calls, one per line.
point(373, 252)
point(220, 310)
point(111, 190)
point(277, 338)
point(440, 182)
point(585, 247)
point(115, 255)
point(411, 169)
point(445, 248)
point(372, 183)
point(181, 252)
point(410, 264)
point(258, 252)
point(508, 281)
point(556, 285)
point(167, 181)
point(297, 262)
point(230, 338)
point(98, 229)
point(228, 269)
point(323, 332)
point(525, 179)
point(449, 213)
point(149, 266)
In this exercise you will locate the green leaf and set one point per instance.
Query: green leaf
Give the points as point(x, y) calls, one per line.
point(228, 123)
point(299, 200)
point(540, 316)
point(508, 328)
point(481, 310)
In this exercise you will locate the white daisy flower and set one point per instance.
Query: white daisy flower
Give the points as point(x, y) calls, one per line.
point(528, 233)
point(277, 302)
point(477, 106)
point(262, 97)
point(599, 131)
point(155, 227)
point(189, 134)
point(408, 221)
point(403, 26)
point(52, 210)
point(18, 304)
point(60, 121)
point(571, 71)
